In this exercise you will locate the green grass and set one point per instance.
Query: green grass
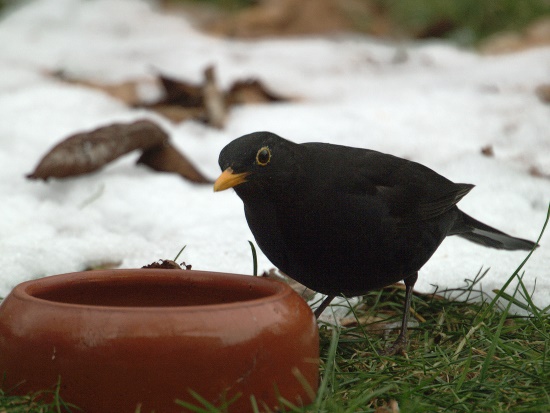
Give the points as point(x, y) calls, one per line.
point(34, 403)
point(466, 357)
point(467, 354)
point(463, 21)
point(466, 21)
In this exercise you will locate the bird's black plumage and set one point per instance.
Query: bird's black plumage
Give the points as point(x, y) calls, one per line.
point(344, 220)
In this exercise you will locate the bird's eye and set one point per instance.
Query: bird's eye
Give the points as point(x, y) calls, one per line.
point(263, 156)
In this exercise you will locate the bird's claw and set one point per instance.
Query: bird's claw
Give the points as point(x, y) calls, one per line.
point(398, 347)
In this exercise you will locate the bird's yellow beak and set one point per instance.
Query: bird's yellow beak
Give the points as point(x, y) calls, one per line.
point(229, 179)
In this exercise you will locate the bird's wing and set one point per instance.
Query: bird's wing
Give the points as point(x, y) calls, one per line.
point(411, 192)
point(415, 193)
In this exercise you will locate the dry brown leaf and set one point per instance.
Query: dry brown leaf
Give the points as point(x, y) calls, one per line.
point(177, 113)
point(125, 91)
point(179, 92)
point(166, 158)
point(87, 152)
point(251, 91)
point(182, 101)
point(206, 102)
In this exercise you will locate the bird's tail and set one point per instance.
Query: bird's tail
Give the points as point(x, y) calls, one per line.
point(467, 227)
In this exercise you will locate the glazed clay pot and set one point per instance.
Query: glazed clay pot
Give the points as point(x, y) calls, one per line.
point(119, 339)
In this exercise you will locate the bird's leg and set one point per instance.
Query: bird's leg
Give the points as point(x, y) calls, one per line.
point(399, 345)
point(323, 305)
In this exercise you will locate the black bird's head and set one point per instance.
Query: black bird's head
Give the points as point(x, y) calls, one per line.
point(258, 162)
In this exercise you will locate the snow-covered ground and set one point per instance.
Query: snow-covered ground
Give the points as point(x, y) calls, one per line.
point(439, 106)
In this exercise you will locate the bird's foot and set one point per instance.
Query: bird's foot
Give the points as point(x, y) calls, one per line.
point(398, 347)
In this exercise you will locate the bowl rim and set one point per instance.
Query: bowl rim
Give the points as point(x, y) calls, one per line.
point(280, 290)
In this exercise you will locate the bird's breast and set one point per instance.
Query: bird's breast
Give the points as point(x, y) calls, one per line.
point(325, 240)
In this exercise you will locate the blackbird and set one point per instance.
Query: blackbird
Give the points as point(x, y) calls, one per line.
point(343, 220)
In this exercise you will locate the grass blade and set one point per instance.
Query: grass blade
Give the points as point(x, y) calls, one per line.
point(254, 259)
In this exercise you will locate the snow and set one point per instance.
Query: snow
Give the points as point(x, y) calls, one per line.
point(430, 102)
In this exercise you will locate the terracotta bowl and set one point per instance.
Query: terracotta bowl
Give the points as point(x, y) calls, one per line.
point(120, 339)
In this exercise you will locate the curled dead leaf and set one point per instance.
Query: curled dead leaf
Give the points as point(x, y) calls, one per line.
point(181, 100)
point(87, 152)
point(206, 102)
point(166, 158)
point(177, 114)
point(251, 91)
point(179, 92)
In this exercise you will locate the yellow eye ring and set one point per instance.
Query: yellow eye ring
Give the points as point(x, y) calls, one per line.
point(263, 156)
